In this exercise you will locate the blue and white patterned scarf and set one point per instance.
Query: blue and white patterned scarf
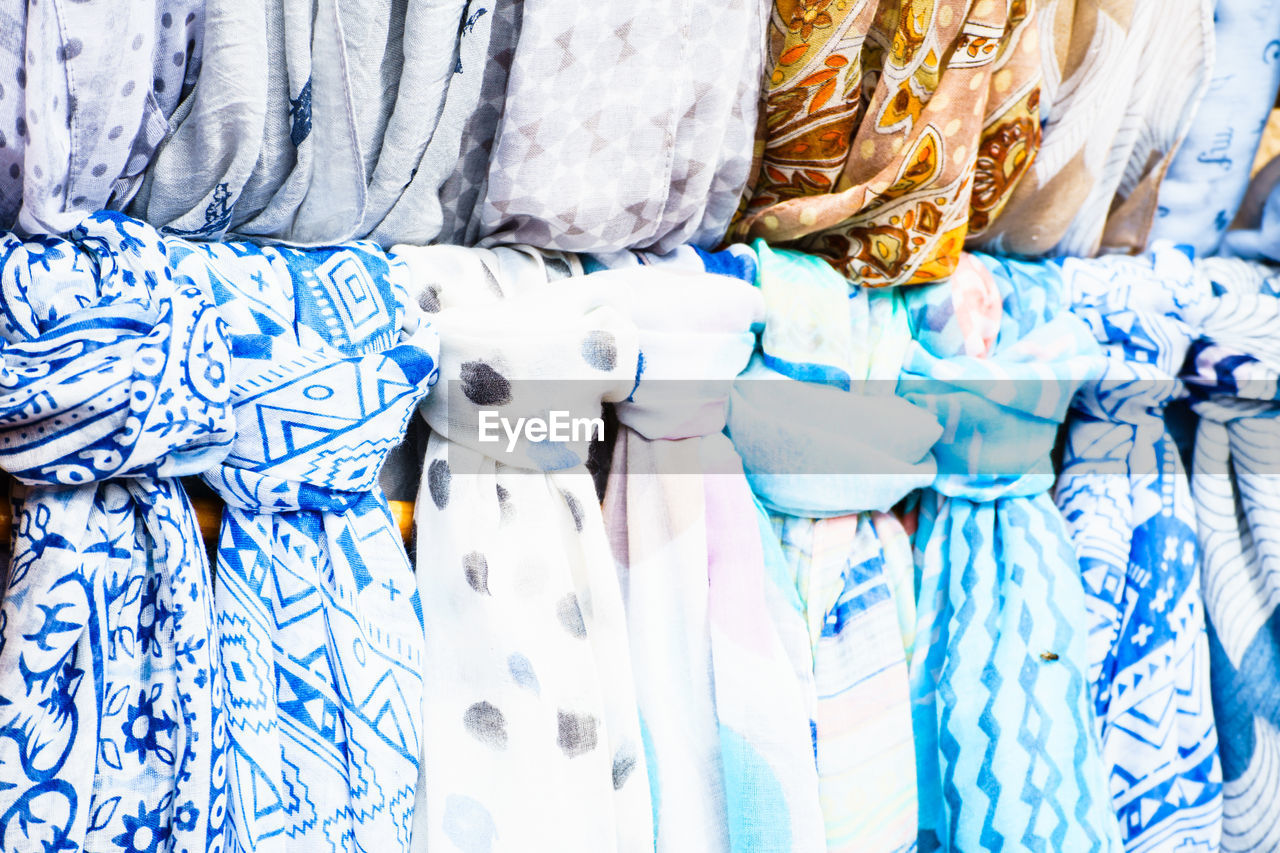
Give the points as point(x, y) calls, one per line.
point(114, 381)
point(320, 621)
point(1127, 503)
point(1005, 738)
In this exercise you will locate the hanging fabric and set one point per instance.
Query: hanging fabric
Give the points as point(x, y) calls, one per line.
point(86, 92)
point(1233, 374)
point(115, 383)
point(630, 127)
point(532, 739)
point(829, 450)
point(1006, 743)
point(316, 123)
point(1127, 503)
point(1209, 174)
point(321, 626)
point(1255, 234)
point(1123, 79)
point(893, 130)
point(727, 731)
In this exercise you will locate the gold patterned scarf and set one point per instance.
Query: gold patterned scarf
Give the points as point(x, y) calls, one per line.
point(893, 130)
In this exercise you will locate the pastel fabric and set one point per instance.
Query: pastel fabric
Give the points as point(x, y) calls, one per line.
point(115, 378)
point(1006, 744)
point(1255, 234)
point(892, 131)
point(1208, 176)
point(316, 123)
point(839, 562)
point(86, 91)
point(532, 737)
point(631, 127)
point(1122, 81)
point(1233, 373)
point(726, 728)
point(1128, 507)
point(321, 627)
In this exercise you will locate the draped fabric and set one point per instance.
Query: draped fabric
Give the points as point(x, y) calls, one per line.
point(629, 127)
point(893, 130)
point(114, 378)
point(317, 122)
point(1122, 80)
point(1006, 743)
point(86, 91)
point(1233, 373)
point(1255, 234)
point(1127, 503)
point(842, 562)
point(532, 738)
point(1208, 176)
point(731, 759)
point(321, 626)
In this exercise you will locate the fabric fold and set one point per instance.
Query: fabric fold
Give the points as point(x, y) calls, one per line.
point(532, 737)
point(1006, 743)
point(320, 621)
point(1127, 503)
point(114, 382)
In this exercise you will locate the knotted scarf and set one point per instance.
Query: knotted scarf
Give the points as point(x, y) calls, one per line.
point(86, 91)
point(829, 450)
point(1209, 174)
point(1006, 743)
point(314, 122)
point(1122, 80)
point(1233, 373)
point(727, 729)
point(630, 127)
point(892, 130)
point(1127, 503)
point(532, 738)
point(320, 622)
point(113, 383)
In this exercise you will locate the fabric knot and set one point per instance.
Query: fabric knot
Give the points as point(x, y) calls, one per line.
point(328, 367)
point(112, 366)
point(999, 404)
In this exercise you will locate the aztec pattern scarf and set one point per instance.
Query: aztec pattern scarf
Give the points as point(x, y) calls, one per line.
point(1006, 744)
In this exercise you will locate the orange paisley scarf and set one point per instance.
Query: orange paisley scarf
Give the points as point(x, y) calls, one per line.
point(893, 130)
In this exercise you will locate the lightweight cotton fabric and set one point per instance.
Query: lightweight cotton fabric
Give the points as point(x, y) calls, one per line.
point(727, 728)
point(86, 91)
point(1127, 503)
point(1122, 80)
point(1209, 174)
point(627, 128)
point(315, 123)
point(115, 382)
point(1255, 234)
point(1233, 373)
point(532, 737)
point(320, 622)
point(829, 450)
point(1006, 743)
point(893, 130)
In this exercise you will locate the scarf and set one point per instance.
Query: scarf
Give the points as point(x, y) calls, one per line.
point(842, 563)
point(630, 127)
point(1006, 744)
point(532, 739)
point(321, 627)
point(86, 92)
point(113, 383)
point(731, 760)
point(1127, 503)
point(318, 122)
point(1233, 374)
point(1122, 80)
point(1209, 174)
point(893, 130)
